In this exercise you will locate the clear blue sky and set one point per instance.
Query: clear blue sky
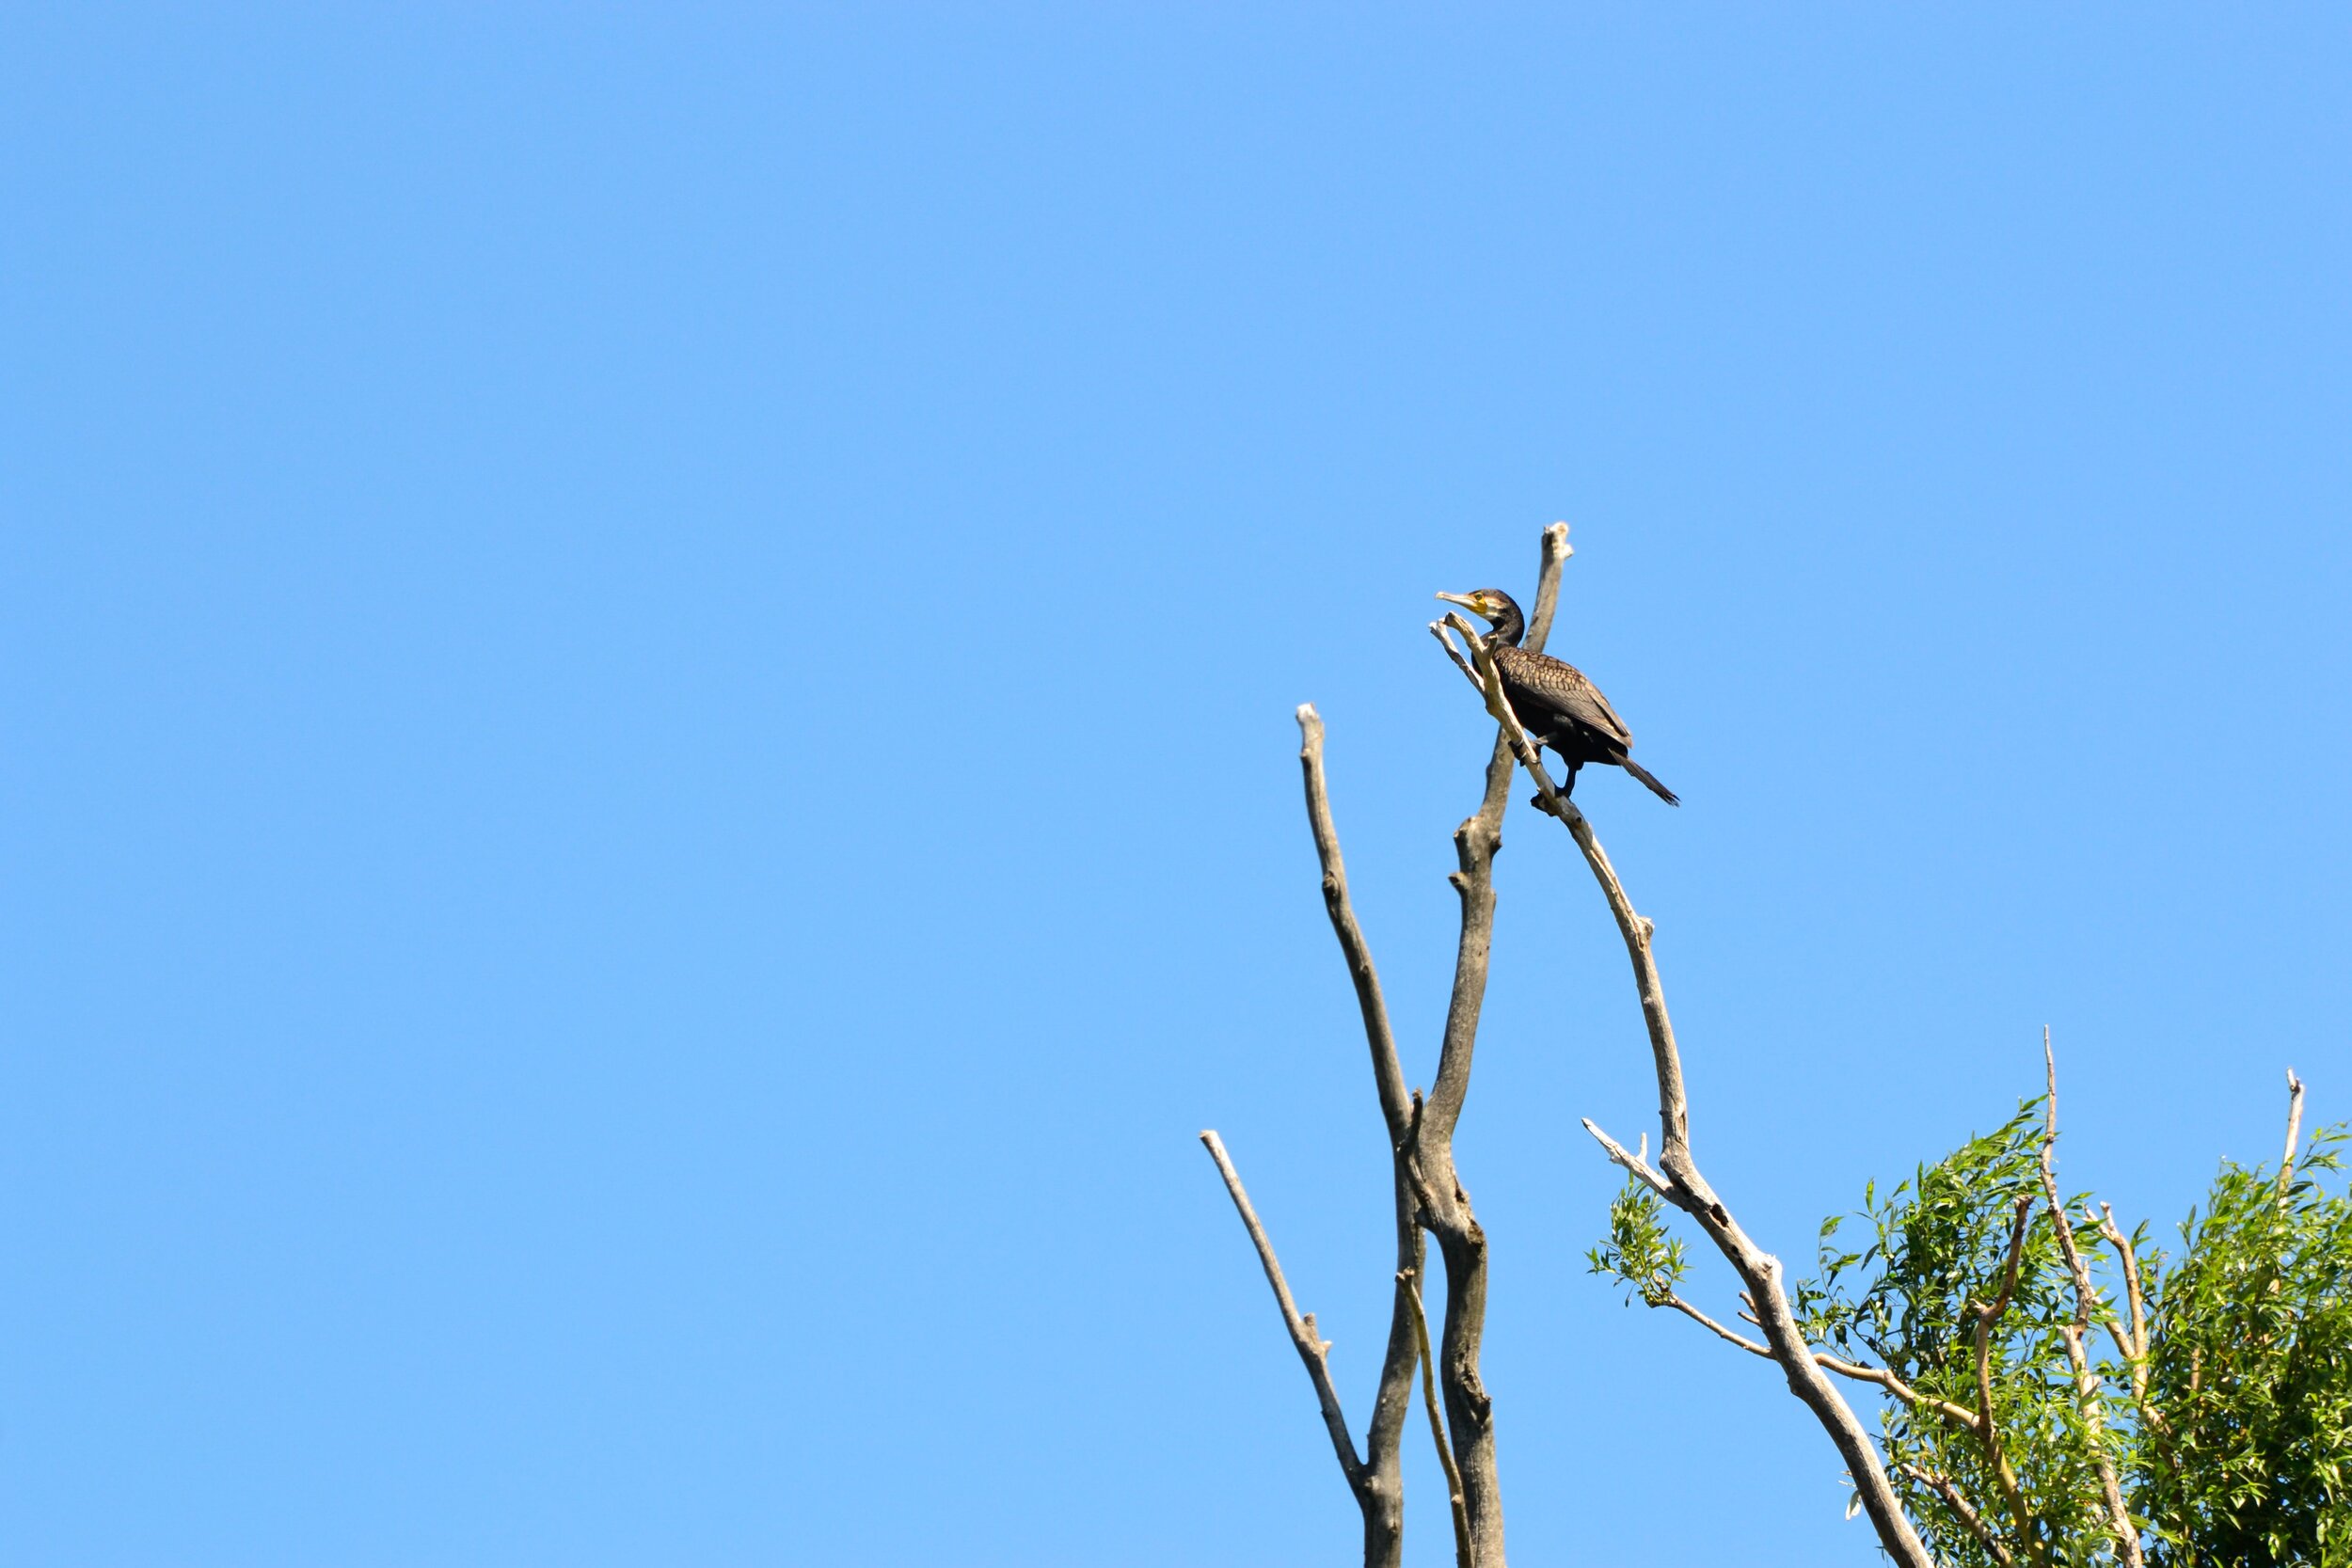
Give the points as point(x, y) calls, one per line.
point(647, 662)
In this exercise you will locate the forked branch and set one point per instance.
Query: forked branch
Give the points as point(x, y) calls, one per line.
point(1426, 1190)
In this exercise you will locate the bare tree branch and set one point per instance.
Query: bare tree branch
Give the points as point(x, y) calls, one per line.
point(1312, 1348)
point(2085, 1302)
point(1380, 1493)
point(2131, 1343)
point(1707, 1322)
point(1959, 1415)
point(1635, 1165)
point(2294, 1130)
point(1465, 1547)
point(1758, 1270)
point(1388, 1075)
point(1421, 1144)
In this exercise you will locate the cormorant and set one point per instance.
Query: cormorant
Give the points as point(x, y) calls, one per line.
point(1556, 704)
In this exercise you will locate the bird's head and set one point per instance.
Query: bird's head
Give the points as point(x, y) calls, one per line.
point(1490, 604)
point(1495, 608)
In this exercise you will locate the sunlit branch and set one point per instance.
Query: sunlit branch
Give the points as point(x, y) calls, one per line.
point(2294, 1130)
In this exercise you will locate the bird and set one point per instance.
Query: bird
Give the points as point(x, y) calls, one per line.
point(1556, 704)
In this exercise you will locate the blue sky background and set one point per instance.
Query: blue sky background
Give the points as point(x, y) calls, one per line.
point(647, 657)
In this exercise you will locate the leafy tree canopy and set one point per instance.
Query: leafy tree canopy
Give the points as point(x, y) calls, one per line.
point(2213, 1384)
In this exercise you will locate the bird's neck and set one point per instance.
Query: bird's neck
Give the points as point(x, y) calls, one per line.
point(1507, 631)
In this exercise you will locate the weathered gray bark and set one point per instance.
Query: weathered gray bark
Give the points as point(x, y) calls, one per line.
point(1380, 1491)
point(1427, 1189)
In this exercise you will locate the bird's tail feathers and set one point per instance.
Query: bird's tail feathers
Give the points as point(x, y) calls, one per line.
point(1652, 779)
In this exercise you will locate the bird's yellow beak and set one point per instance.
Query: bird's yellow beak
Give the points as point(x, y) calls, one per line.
point(1465, 601)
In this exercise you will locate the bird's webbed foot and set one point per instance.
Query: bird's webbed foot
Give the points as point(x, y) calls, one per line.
point(1567, 789)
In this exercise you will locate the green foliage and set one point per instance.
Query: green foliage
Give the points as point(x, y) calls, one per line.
point(1639, 1253)
point(2249, 1437)
point(1913, 1302)
point(2230, 1435)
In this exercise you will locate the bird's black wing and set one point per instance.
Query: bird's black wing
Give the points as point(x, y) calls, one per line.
point(1557, 691)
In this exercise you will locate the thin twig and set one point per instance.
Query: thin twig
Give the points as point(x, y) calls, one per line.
point(1958, 1414)
point(2085, 1302)
point(2294, 1130)
point(1312, 1348)
point(1464, 1548)
point(1705, 1321)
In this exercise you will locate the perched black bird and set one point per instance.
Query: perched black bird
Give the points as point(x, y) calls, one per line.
point(1556, 704)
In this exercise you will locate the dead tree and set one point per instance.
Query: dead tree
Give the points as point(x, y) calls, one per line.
point(1428, 1194)
point(1429, 1197)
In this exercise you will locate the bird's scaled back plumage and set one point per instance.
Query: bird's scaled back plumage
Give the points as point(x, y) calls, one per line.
point(1556, 704)
point(1541, 687)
